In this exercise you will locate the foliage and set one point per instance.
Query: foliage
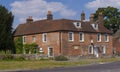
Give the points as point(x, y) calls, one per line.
point(118, 53)
point(61, 58)
point(6, 39)
point(30, 48)
point(7, 57)
point(111, 17)
point(18, 45)
point(19, 58)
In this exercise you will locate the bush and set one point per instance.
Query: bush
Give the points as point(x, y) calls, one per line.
point(61, 58)
point(20, 58)
point(8, 57)
point(118, 53)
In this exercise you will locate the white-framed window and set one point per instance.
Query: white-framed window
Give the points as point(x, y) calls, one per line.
point(77, 24)
point(44, 37)
point(95, 26)
point(33, 38)
point(81, 36)
point(106, 38)
point(24, 39)
point(90, 49)
point(99, 37)
point(70, 36)
point(103, 49)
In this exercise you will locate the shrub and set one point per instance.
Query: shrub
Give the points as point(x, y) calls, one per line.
point(61, 58)
point(8, 57)
point(118, 53)
point(20, 58)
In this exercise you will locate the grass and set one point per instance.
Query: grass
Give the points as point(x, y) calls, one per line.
point(37, 64)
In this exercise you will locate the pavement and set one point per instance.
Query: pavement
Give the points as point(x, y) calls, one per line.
point(101, 67)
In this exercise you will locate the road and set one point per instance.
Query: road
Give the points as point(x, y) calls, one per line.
point(107, 67)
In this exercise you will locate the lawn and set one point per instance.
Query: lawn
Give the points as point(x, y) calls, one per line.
point(37, 64)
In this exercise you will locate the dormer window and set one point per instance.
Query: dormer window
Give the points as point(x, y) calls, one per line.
point(95, 26)
point(77, 24)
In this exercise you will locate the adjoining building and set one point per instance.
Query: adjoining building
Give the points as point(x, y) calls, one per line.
point(116, 42)
point(67, 37)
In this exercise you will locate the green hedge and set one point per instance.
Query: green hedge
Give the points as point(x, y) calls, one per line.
point(61, 58)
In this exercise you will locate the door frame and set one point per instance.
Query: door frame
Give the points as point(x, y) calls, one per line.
point(49, 52)
point(96, 53)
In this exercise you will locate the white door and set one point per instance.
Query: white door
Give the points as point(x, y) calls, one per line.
point(96, 52)
point(50, 52)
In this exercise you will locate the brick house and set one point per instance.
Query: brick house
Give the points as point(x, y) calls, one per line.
point(116, 41)
point(67, 37)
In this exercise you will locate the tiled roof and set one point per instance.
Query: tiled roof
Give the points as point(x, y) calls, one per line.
point(55, 25)
point(117, 34)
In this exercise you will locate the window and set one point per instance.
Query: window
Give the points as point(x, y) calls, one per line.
point(70, 36)
point(90, 49)
point(95, 26)
point(44, 37)
point(99, 37)
point(24, 39)
point(77, 24)
point(106, 38)
point(33, 38)
point(81, 35)
point(103, 49)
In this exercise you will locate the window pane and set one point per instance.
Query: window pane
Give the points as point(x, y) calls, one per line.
point(90, 49)
point(103, 49)
point(106, 38)
point(70, 36)
point(81, 36)
point(44, 37)
point(24, 39)
point(99, 37)
point(33, 38)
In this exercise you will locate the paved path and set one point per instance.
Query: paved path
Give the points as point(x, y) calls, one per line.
point(108, 67)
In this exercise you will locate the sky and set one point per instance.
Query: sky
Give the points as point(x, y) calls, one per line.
point(68, 9)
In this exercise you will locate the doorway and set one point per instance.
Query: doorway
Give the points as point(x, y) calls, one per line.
point(96, 52)
point(50, 52)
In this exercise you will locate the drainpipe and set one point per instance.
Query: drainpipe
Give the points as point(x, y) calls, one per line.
point(60, 39)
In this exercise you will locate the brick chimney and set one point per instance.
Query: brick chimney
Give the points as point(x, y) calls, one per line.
point(100, 18)
point(82, 16)
point(29, 19)
point(49, 15)
point(91, 18)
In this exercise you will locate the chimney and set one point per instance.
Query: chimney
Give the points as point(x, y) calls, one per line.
point(29, 19)
point(91, 18)
point(49, 15)
point(82, 16)
point(100, 18)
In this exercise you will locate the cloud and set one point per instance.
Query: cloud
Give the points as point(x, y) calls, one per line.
point(95, 4)
point(38, 9)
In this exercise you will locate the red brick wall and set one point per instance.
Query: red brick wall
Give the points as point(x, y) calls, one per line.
point(58, 41)
point(52, 41)
point(116, 44)
point(68, 47)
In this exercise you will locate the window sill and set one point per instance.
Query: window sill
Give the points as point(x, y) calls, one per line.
point(81, 41)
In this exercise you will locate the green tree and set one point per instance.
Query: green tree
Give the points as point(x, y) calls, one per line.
point(6, 39)
point(18, 45)
point(30, 48)
point(111, 17)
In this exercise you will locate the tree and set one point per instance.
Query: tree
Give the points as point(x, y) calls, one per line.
point(18, 45)
point(6, 39)
point(111, 17)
